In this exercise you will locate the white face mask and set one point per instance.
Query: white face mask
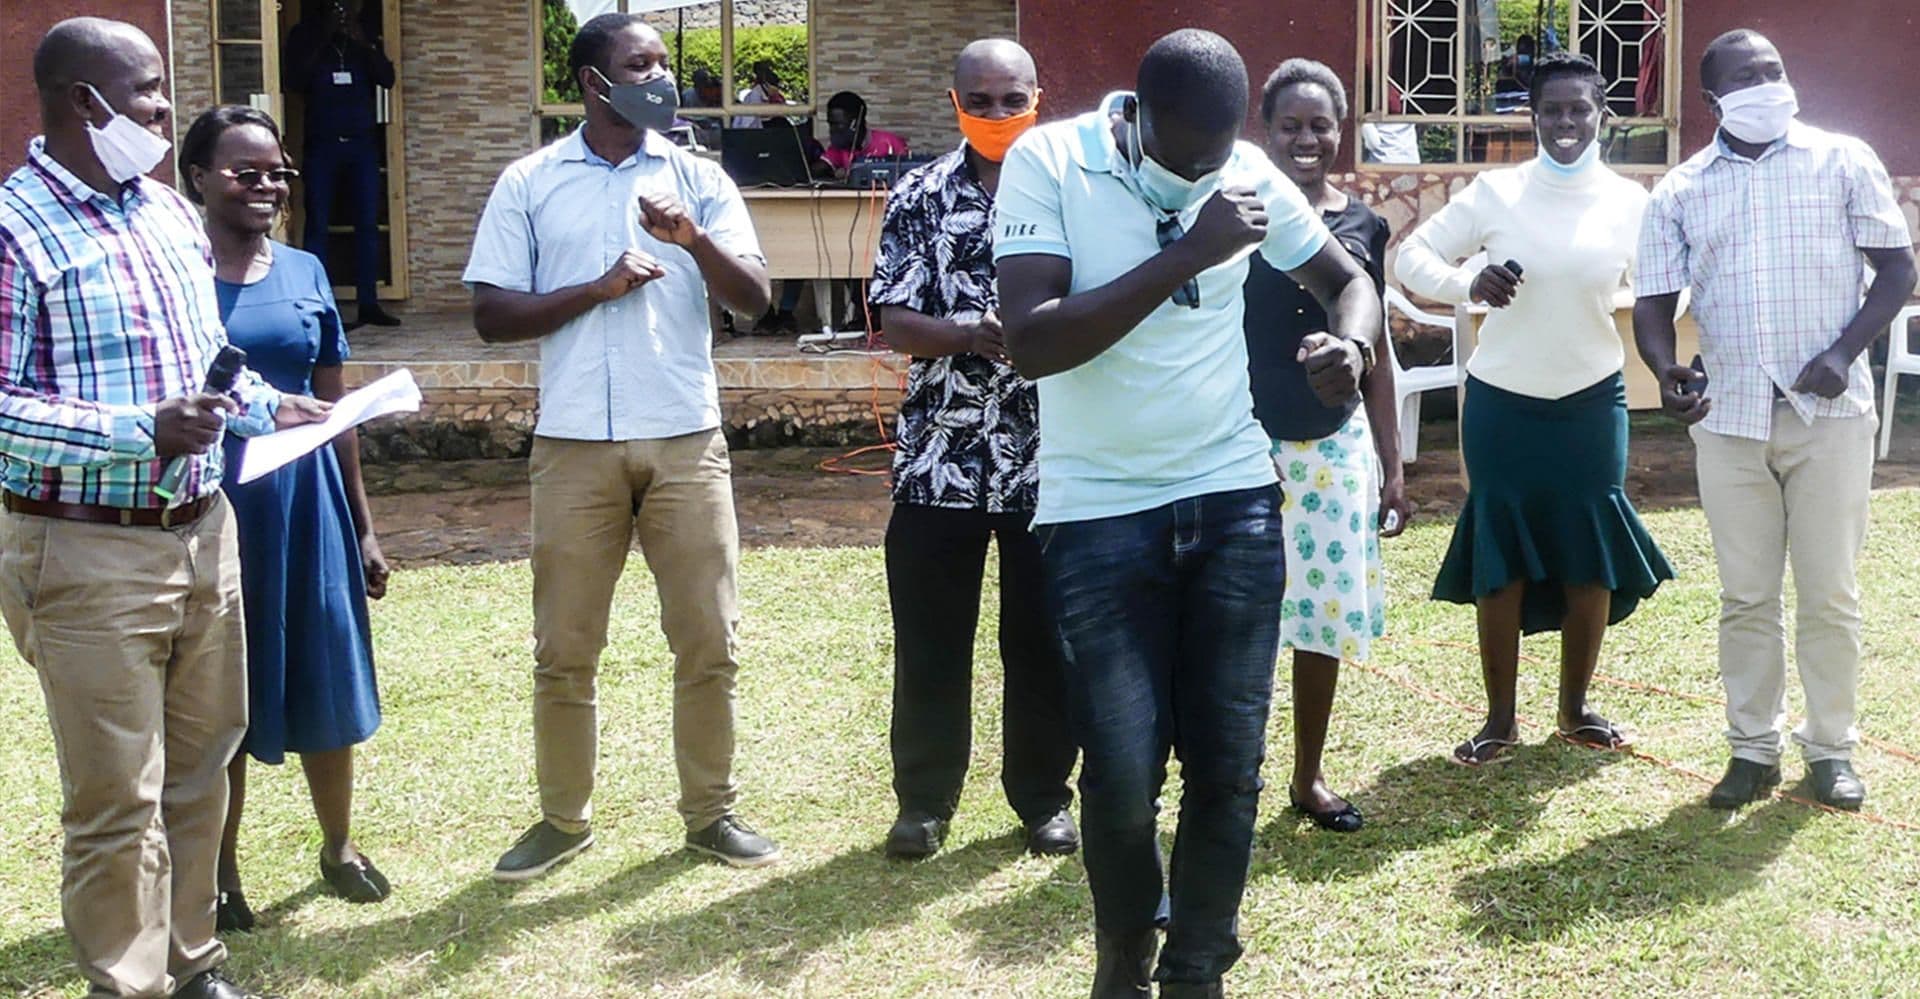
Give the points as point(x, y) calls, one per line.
point(125, 149)
point(1758, 114)
point(1160, 187)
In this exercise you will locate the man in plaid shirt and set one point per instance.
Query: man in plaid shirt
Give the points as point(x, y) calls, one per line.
point(125, 602)
point(1770, 226)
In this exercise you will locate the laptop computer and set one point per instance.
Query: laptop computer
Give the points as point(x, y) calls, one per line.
point(774, 156)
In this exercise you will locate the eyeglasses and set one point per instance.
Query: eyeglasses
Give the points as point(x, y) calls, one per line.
point(252, 178)
point(1169, 230)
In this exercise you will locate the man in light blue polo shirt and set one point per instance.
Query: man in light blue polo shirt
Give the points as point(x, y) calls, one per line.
point(1122, 243)
point(603, 247)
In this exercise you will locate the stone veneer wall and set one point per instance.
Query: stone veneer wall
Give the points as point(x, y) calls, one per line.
point(899, 56)
point(464, 76)
point(192, 61)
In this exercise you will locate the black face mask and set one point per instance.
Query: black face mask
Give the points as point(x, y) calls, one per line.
point(650, 105)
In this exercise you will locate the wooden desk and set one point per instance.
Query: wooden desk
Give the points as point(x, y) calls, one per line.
point(817, 234)
point(1643, 389)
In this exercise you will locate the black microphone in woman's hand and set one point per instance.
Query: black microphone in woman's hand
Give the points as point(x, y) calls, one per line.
point(1513, 267)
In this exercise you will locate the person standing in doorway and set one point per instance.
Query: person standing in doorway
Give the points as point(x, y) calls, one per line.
point(333, 63)
point(964, 474)
point(1773, 227)
point(604, 247)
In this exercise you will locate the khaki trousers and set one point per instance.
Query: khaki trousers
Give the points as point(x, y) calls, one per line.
point(138, 638)
point(591, 500)
point(1800, 495)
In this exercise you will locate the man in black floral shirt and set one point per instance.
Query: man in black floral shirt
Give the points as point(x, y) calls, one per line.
point(965, 473)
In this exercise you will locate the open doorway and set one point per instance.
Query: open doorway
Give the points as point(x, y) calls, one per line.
point(333, 123)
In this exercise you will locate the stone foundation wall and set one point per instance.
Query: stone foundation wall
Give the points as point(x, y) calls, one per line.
point(462, 422)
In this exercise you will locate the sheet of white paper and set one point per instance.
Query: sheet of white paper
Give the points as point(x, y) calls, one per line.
point(396, 393)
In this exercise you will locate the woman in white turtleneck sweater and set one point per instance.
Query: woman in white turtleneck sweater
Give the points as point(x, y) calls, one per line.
point(1547, 539)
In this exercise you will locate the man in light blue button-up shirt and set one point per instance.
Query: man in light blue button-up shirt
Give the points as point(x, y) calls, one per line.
point(603, 246)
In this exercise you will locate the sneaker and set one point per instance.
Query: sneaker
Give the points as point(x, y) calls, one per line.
point(539, 850)
point(915, 836)
point(731, 840)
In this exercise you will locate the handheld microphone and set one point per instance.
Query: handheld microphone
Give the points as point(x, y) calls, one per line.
point(220, 377)
point(1514, 267)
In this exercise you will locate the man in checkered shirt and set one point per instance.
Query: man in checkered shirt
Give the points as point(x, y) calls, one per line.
point(1772, 226)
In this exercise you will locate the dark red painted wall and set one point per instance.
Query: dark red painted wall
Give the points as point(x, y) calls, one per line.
point(1856, 63)
point(22, 22)
point(1088, 48)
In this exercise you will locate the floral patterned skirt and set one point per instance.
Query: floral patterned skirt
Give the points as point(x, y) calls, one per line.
point(1330, 504)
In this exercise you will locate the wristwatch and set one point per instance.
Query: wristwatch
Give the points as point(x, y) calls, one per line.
point(1366, 356)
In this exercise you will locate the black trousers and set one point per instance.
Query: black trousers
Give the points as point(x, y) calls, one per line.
point(935, 560)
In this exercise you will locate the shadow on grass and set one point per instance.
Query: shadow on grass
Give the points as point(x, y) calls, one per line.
point(37, 963)
point(1425, 802)
point(466, 928)
point(1028, 927)
point(1694, 856)
point(770, 931)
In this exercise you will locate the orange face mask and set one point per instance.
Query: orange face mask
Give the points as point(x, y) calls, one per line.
point(992, 137)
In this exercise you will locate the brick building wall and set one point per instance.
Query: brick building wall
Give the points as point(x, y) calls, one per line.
point(900, 58)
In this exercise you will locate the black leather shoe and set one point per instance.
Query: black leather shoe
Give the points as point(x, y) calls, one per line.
point(358, 881)
point(915, 836)
point(374, 315)
point(1054, 836)
point(1191, 990)
point(1125, 965)
point(213, 985)
point(731, 840)
point(1835, 785)
point(1345, 818)
point(231, 913)
point(1746, 782)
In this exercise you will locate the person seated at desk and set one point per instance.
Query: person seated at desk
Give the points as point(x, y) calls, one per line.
point(705, 93)
point(850, 140)
point(765, 90)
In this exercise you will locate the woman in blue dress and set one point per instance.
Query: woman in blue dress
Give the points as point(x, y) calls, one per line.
point(309, 559)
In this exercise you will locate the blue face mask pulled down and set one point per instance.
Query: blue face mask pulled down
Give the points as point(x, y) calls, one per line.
point(1587, 158)
point(1161, 188)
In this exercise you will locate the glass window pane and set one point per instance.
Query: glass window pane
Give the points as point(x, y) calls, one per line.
point(770, 54)
point(238, 18)
point(1628, 39)
point(1637, 144)
point(242, 73)
point(1499, 143)
point(1421, 38)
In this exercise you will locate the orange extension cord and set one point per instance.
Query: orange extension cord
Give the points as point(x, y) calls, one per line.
point(1639, 754)
point(838, 463)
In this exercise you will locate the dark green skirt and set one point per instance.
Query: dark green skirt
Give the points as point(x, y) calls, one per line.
point(1546, 504)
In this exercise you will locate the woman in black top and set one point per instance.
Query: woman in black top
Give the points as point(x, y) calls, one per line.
point(1340, 479)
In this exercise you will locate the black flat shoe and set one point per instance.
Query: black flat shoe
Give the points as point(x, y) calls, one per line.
point(357, 881)
point(1344, 819)
point(231, 914)
point(1745, 782)
point(1835, 785)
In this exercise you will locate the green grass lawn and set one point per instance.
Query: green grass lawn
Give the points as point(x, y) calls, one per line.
point(1565, 872)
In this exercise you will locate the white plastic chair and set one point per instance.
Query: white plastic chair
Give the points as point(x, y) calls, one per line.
point(1409, 383)
point(1900, 361)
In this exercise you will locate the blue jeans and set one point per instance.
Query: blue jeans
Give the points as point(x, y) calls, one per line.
point(1169, 622)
